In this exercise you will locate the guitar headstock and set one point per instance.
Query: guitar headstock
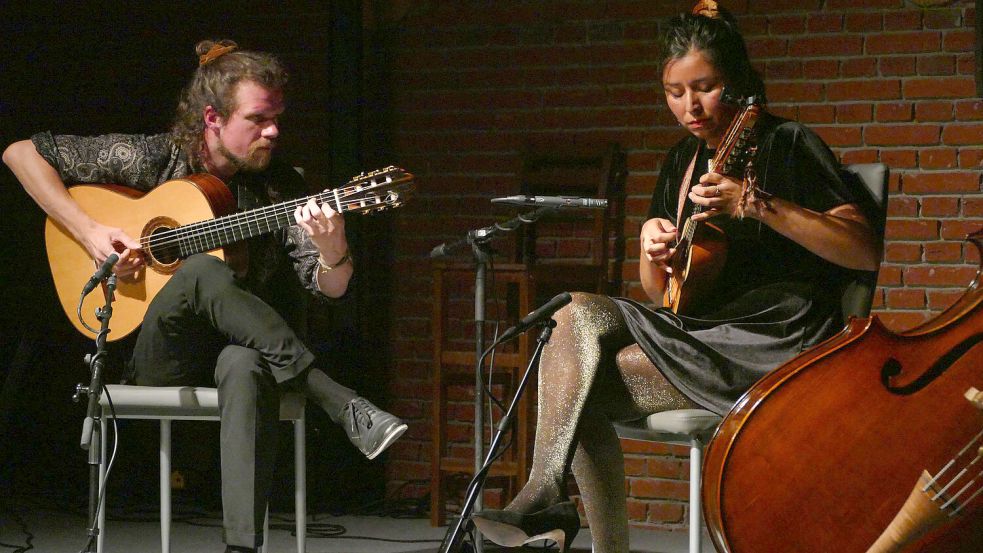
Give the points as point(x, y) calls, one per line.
point(374, 191)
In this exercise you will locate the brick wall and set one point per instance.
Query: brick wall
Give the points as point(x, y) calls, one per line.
point(879, 80)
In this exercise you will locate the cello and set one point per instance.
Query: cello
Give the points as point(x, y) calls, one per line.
point(869, 442)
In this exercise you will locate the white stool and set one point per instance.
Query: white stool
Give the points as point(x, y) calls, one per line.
point(691, 427)
point(199, 404)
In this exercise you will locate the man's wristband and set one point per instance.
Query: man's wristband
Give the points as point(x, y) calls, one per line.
point(325, 266)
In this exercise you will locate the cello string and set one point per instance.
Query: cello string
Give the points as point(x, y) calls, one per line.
point(961, 473)
point(960, 492)
point(951, 462)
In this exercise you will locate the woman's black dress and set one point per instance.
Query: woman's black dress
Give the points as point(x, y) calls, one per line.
point(774, 298)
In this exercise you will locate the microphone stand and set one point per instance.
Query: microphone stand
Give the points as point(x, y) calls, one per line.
point(479, 240)
point(454, 539)
point(91, 431)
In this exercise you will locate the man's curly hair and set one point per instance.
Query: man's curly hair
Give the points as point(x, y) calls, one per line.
point(214, 84)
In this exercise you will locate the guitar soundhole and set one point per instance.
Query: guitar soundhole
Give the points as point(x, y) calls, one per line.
point(164, 252)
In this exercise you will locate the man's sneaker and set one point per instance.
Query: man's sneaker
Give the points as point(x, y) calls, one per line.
point(371, 429)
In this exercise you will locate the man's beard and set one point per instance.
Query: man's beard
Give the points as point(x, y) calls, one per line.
point(257, 158)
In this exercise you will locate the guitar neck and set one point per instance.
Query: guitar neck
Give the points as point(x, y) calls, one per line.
point(215, 233)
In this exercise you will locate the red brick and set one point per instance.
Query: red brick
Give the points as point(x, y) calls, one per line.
point(820, 69)
point(912, 229)
point(871, 89)
point(950, 87)
point(959, 41)
point(903, 43)
point(970, 158)
point(904, 298)
point(812, 114)
point(902, 206)
point(792, 91)
point(937, 158)
point(783, 70)
point(825, 23)
point(889, 275)
point(891, 112)
point(866, 5)
point(936, 65)
point(784, 110)
point(939, 300)
point(973, 207)
point(941, 182)
point(902, 252)
point(933, 111)
point(899, 159)
point(854, 113)
point(841, 45)
point(662, 489)
point(942, 19)
point(839, 136)
point(859, 156)
point(666, 513)
point(901, 20)
point(940, 206)
point(943, 252)
point(959, 229)
point(864, 21)
point(858, 67)
point(899, 321)
point(895, 66)
point(637, 510)
point(901, 135)
point(939, 275)
point(970, 134)
point(967, 110)
point(786, 25)
point(766, 48)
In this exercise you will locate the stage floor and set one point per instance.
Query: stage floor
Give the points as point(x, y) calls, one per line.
point(59, 530)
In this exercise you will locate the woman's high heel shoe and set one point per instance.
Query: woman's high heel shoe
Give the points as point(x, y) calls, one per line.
point(559, 523)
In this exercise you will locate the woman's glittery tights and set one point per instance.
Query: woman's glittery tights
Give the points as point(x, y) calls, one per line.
point(590, 374)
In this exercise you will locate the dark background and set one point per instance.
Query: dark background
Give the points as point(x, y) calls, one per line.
point(94, 67)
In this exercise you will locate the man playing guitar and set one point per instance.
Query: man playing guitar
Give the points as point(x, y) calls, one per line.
point(207, 324)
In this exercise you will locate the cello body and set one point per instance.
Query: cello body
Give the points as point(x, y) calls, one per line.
point(821, 453)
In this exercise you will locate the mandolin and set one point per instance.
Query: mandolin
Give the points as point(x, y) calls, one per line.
point(701, 249)
point(182, 217)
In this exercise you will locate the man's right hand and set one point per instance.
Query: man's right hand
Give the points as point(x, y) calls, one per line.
point(101, 241)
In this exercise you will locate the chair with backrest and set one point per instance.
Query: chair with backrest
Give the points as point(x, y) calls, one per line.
point(190, 403)
point(694, 427)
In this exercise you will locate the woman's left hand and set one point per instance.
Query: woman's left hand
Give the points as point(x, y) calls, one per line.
point(718, 194)
point(325, 226)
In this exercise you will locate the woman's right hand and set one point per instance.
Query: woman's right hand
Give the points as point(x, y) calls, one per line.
point(655, 238)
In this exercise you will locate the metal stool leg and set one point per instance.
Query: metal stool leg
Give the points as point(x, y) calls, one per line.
point(165, 486)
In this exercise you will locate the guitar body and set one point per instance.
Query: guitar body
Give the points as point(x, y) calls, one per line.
point(694, 274)
point(173, 203)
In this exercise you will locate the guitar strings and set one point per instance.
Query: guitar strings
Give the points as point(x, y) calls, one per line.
point(194, 233)
point(363, 185)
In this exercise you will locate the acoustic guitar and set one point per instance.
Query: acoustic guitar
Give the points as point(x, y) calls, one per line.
point(701, 249)
point(179, 218)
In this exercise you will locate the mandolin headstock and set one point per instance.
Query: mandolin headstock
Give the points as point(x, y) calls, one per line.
point(738, 147)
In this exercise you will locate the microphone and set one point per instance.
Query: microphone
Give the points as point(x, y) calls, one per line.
point(536, 316)
point(553, 201)
point(100, 274)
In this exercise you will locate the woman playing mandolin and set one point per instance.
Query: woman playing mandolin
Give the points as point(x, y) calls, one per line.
point(793, 234)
